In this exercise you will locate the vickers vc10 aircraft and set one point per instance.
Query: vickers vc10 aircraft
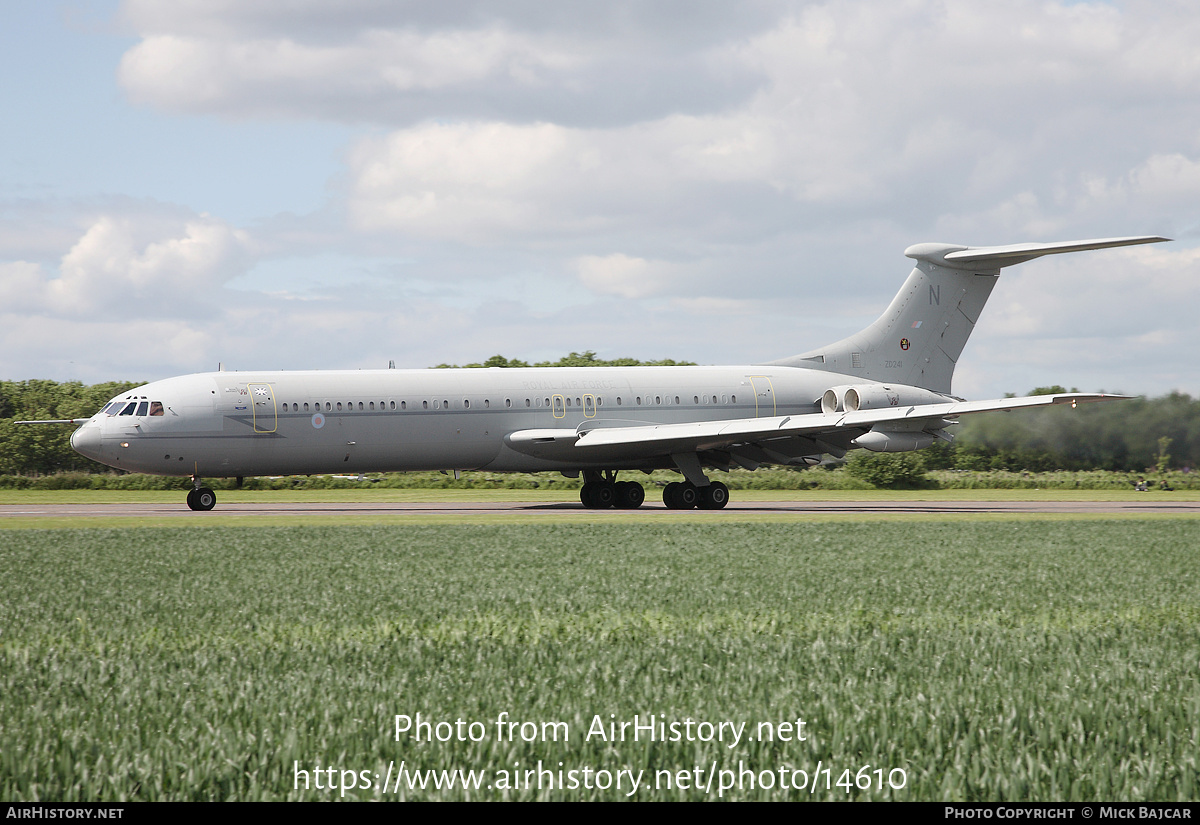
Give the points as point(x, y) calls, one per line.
point(886, 388)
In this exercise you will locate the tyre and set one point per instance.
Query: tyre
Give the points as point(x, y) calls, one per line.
point(689, 495)
point(713, 497)
point(679, 496)
point(206, 499)
point(606, 495)
point(630, 495)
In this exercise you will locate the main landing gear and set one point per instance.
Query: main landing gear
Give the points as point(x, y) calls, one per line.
point(683, 495)
point(600, 491)
point(200, 498)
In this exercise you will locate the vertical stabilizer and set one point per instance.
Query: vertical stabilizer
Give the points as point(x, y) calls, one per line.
point(919, 338)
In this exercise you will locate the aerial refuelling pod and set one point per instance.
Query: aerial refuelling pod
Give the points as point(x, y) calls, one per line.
point(890, 441)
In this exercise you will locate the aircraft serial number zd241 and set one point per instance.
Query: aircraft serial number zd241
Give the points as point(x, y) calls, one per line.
point(886, 388)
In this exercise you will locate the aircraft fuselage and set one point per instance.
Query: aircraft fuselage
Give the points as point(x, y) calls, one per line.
point(226, 424)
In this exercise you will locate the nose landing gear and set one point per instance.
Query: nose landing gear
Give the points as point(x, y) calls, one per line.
point(200, 498)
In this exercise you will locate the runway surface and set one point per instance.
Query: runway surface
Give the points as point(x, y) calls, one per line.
point(568, 509)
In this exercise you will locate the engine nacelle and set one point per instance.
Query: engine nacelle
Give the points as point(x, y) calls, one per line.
point(850, 398)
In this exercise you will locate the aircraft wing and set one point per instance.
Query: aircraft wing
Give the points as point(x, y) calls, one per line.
point(780, 439)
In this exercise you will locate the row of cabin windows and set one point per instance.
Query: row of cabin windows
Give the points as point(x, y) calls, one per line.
point(370, 406)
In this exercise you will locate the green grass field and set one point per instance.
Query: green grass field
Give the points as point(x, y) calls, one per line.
point(986, 660)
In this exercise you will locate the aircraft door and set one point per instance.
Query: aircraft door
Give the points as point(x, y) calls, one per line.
point(262, 401)
point(764, 396)
point(589, 406)
point(560, 409)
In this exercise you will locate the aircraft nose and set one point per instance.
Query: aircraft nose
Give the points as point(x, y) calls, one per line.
point(86, 441)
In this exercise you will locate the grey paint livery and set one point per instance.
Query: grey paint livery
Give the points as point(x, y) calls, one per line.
point(885, 388)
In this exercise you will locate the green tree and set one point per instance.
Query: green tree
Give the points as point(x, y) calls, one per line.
point(587, 358)
point(888, 470)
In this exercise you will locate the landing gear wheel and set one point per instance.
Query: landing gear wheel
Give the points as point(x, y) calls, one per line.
point(606, 495)
point(202, 499)
point(630, 495)
point(680, 495)
point(713, 497)
point(598, 495)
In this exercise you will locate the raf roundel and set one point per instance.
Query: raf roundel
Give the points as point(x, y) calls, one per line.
point(318, 421)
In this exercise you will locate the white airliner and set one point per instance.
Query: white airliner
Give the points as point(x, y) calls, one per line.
point(887, 388)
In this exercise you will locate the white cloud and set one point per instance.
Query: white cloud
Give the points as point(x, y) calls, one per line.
point(623, 276)
point(379, 62)
point(133, 266)
point(667, 170)
point(280, 75)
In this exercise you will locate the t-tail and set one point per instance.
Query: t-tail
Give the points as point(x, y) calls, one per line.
point(920, 337)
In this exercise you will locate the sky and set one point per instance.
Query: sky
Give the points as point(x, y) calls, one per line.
point(298, 184)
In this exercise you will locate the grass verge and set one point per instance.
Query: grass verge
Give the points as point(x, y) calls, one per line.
point(1001, 660)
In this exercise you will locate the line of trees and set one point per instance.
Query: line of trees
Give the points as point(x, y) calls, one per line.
point(1131, 436)
point(42, 449)
point(587, 358)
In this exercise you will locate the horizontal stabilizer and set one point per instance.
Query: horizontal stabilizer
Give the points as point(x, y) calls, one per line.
point(994, 257)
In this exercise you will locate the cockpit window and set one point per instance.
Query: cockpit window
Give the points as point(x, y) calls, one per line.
point(143, 408)
point(129, 408)
point(111, 407)
point(156, 408)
